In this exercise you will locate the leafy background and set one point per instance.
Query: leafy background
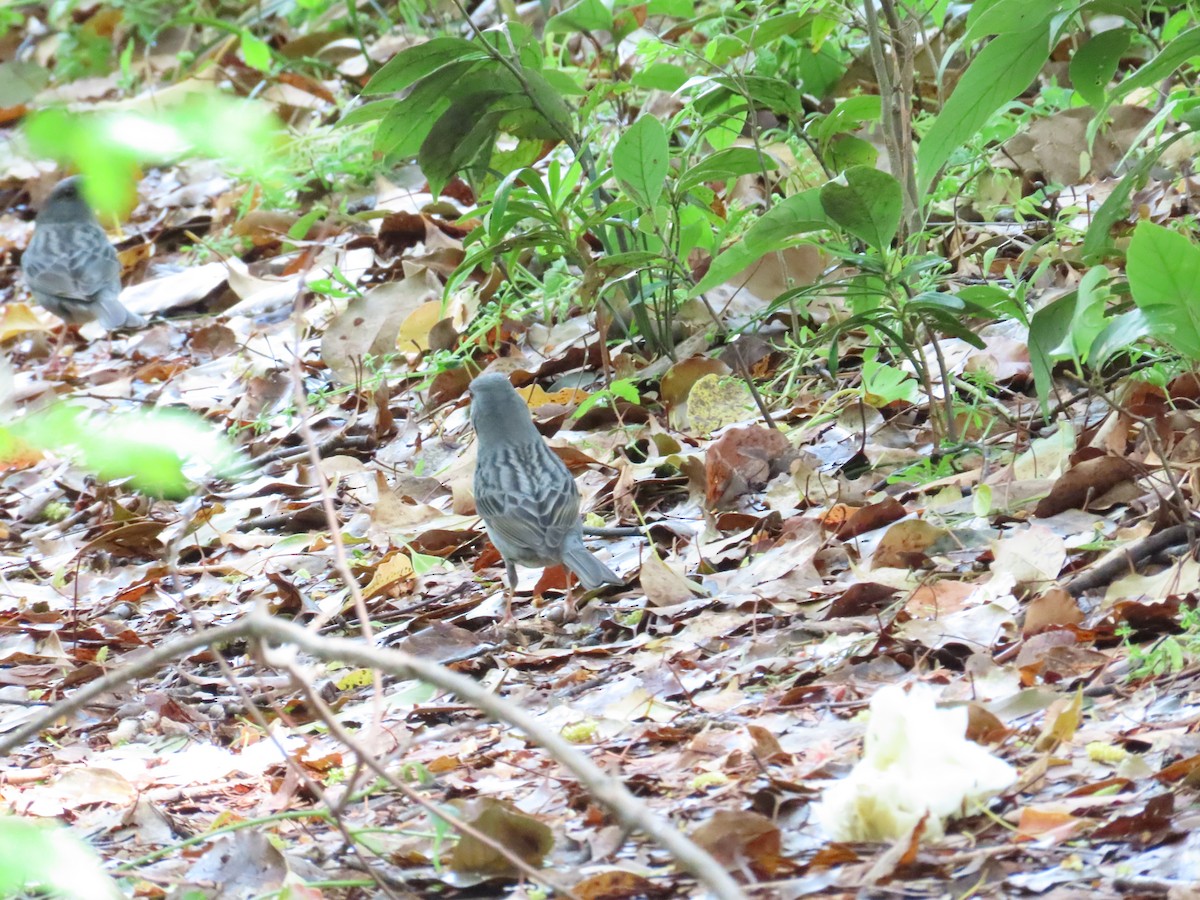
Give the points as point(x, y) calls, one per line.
point(880, 318)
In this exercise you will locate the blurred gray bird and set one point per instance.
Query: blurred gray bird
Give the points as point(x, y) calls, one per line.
point(70, 266)
point(525, 493)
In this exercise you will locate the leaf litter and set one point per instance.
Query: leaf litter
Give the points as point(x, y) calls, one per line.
point(794, 571)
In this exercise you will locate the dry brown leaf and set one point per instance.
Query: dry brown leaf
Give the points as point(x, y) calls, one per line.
point(1051, 609)
point(523, 836)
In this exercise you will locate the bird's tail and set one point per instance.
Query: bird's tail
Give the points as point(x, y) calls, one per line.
point(113, 315)
point(590, 571)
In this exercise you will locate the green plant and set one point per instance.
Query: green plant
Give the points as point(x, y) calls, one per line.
point(923, 471)
point(151, 448)
point(623, 388)
point(48, 858)
point(1168, 655)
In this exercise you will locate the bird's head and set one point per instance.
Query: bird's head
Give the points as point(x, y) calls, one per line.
point(66, 203)
point(497, 411)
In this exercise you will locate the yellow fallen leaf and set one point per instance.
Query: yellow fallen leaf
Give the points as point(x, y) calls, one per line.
point(17, 319)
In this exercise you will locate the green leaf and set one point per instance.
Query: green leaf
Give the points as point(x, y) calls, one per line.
point(626, 389)
point(1095, 63)
point(551, 111)
point(722, 48)
point(367, 112)
point(1006, 17)
point(1048, 328)
point(848, 116)
point(724, 122)
point(1119, 335)
point(149, 448)
point(466, 129)
point(1163, 269)
point(1116, 205)
point(41, 857)
point(819, 72)
point(846, 151)
point(1087, 317)
point(936, 301)
point(409, 66)
point(997, 301)
point(408, 123)
point(696, 231)
point(883, 384)
point(1000, 72)
point(777, 228)
point(563, 83)
point(676, 9)
point(865, 202)
point(726, 164)
point(1165, 62)
point(641, 160)
point(774, 94)
point(766, 29)
point(255, 52)
point(660, 77)
point(586, 15)
point(20, 82)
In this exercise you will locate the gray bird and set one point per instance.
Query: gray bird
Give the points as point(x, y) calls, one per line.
point(70, 266)
point(525, 493)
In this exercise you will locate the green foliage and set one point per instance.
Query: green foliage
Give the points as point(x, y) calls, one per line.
point(1000, 71)
point(866, 203)
point(151, 448)
point(108, 147)
point(1080, 328)
point(782, 226)
point(587, 196)
point(1170, 654)
point(641, 161)
point(924, 471)
point(1095, 63)
point(883, 384)
point(624, 388)
point(461, 95)
point(49, 858)
point(1163, 268)
point(82, 53)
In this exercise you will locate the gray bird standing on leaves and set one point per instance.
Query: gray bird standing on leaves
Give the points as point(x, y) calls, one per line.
point(526, 495)
point(70, 266)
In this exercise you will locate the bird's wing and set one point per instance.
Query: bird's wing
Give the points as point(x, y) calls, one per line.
point(529, 495)
point(73, 262)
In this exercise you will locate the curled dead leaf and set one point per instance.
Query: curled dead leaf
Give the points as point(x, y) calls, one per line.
point(522, 836)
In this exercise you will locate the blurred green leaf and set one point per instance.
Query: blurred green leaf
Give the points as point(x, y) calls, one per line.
point(151, 448)
point(586, 15)
point(107, 148)
point(255, 52)
point(20, 82)
point(50, 858)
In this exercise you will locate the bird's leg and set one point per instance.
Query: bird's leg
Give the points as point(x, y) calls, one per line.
point(569, 600)
point(510, 590)
point(55, 364)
